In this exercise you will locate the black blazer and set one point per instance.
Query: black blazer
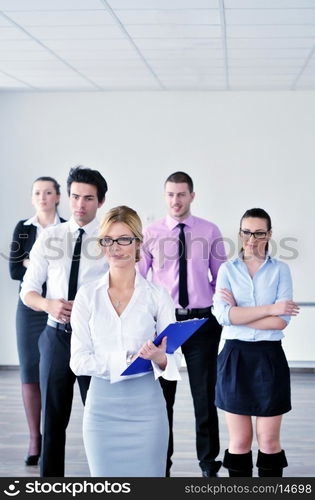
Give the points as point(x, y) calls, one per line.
point(23, 239)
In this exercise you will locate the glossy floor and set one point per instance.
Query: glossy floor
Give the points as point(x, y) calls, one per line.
point(298, 436)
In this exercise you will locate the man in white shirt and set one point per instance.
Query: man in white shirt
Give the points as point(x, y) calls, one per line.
point(64, 256)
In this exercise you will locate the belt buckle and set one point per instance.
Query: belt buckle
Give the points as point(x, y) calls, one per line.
point(182, 312)
point(68, 328)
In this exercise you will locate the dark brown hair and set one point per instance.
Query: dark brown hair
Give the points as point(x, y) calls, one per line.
point(179, 177)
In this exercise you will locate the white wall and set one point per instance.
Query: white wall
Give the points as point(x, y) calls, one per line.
point(242, 150)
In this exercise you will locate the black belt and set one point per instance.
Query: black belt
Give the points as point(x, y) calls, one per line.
point(60, 326)
point(202, 312)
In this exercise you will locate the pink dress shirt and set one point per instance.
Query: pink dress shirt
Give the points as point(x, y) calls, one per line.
point(205, 254)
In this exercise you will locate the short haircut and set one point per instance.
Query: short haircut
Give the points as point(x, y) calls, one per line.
point(88, 176)
point(126, 215)
point(179, 177)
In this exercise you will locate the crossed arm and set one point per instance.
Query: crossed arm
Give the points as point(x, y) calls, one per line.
point(259, 317)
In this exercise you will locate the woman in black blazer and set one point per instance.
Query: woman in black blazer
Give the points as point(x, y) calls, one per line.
point(29, 323)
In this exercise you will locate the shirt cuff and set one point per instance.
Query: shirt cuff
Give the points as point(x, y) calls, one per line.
point(117, 365)
point(226, 316)
point(22, 295)
point(286, 318)
point(170, 372)
point(24, 291)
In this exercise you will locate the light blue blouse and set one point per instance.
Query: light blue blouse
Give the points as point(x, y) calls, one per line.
point(271, 283)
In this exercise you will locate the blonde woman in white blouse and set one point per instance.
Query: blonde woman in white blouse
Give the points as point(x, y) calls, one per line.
point(114, 320)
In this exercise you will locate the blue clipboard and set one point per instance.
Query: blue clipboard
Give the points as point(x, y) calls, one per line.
point(176, 333)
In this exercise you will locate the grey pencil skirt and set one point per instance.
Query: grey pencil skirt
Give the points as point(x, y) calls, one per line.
point(125, 428)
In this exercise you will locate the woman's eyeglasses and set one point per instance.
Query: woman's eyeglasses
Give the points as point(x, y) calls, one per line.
point(123, 241)
point(258, 235)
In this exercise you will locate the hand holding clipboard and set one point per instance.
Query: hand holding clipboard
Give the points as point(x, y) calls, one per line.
point(176, 333)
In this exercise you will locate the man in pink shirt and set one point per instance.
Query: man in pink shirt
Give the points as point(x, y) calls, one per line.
point(184, 253)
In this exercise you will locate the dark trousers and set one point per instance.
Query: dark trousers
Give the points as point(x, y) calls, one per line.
point(56, 384)
point(200, 351)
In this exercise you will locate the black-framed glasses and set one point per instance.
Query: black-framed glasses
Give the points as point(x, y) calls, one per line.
point(258, 235)
point(122, 240)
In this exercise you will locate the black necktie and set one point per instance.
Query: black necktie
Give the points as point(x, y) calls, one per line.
point(182, 292)
point(74, 271)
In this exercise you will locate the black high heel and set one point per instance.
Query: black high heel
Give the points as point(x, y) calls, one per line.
point(33, 459)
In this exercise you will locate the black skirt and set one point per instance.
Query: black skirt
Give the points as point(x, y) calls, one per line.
point(29, 326)
point(253, 378)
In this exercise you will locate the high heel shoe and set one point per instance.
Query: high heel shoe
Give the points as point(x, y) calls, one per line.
point(33, 459)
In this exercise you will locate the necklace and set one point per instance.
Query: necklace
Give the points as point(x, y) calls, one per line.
point(118, 304)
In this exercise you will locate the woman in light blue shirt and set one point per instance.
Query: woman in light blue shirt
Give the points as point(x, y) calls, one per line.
point(253, 301)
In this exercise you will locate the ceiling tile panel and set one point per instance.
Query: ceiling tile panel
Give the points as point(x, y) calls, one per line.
point(193, 80)
point(192, 85)
point(275, 31)
point(261, 78)
point(98, 54)
point(305, 85)
point(26, 55)
point(269, 53)
point(75, 32)
point(97, 75)
point(164, 4)
point(179, 48)
point(117, 72)
point(127, 83)
point(173, 43)
point(61, 18)
point(273, 43)
point(192, 64)
point(60, 83)
point(12, 34)
point(187, 70)
point(157, 44)
point(179, 54)
point(7, 45)
point(5, 22)
point(7, 82)
point(42, 67)
point(268, 4)
point(270, 16)
point(26, 5)
point(91, 45)
point(254, 64)
point(187, 16)
point(262, 74)
point(173, 31)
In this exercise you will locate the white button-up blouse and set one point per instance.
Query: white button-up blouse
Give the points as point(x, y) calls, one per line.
point(101, 338)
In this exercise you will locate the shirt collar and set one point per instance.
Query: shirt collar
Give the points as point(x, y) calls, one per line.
point(172, 223)
point(34, 221)
point(140, 281)
point(239, 259)
point(89, 228)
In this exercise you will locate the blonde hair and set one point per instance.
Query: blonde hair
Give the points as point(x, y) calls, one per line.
point(127, 216)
